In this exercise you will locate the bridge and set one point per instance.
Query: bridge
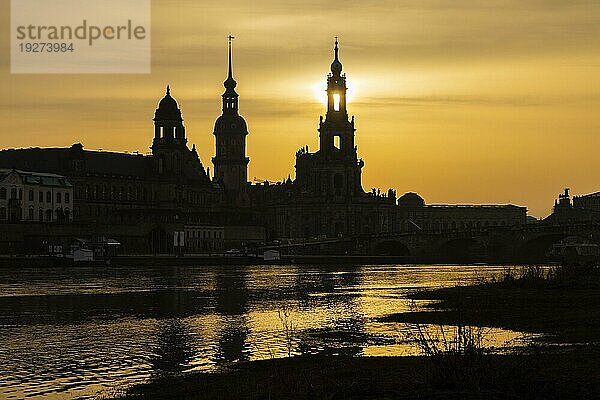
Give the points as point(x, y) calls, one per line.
point(524, 243)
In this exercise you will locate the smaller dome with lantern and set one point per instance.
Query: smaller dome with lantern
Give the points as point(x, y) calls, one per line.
point(411, 199)
point(167, 108)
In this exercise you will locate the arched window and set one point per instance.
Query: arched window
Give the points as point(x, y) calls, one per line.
point(13, 193)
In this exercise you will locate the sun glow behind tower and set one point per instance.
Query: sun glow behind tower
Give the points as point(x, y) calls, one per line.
point(336, 101)
point(319, 91)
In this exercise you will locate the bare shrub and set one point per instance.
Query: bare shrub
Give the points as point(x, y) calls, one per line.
point(288, 327)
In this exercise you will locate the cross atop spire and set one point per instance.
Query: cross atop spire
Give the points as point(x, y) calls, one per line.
point(168, 90)
point(230, 38)
point(230, 83)
point(336, 65)
point(230, 97)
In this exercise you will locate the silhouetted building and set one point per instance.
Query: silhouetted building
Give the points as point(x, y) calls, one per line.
point(415, 215)
point(143, 200)
point(123, 188)
point(230, 161)
point(327, 198)
point(34, 196)
point(334, 171)
point(580, 209)
point(202, 239)
point(590, 202)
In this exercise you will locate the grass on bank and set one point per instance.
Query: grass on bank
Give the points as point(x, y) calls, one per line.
point(559, 302)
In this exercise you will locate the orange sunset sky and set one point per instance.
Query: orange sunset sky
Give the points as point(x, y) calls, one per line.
point(460, 101)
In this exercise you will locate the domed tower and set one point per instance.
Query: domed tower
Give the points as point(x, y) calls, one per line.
point(169, 145)
point(230, 161)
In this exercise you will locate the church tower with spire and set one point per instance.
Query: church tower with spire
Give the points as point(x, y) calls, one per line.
point(336, 133)
point(333, 172)
point(230, 161)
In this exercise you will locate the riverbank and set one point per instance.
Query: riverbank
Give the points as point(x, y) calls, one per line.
point(562, 305)
point(565, 375)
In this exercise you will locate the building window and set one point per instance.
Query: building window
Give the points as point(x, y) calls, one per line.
point(3, 193)
point(2, 213)
point(41, 197)
point(13, 193)
point(58, 197)
point(41, 215)
point(67, 198)
point(336, 102)
point(49, 198)
point(31, 212)
point(48, 215)
point(31, 196)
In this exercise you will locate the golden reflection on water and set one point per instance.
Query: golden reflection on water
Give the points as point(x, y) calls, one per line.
point(79, 332)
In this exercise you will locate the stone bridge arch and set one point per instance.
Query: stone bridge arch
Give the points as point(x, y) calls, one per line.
point(534, 248)
point(461, 249)
point(391, 247)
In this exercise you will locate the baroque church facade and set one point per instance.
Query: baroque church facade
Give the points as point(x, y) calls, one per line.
point(144, 199)
point(327, 199)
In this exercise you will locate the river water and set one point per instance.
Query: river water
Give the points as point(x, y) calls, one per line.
point(82, 332)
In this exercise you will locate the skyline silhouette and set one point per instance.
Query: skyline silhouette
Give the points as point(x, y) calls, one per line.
point(482, 120)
